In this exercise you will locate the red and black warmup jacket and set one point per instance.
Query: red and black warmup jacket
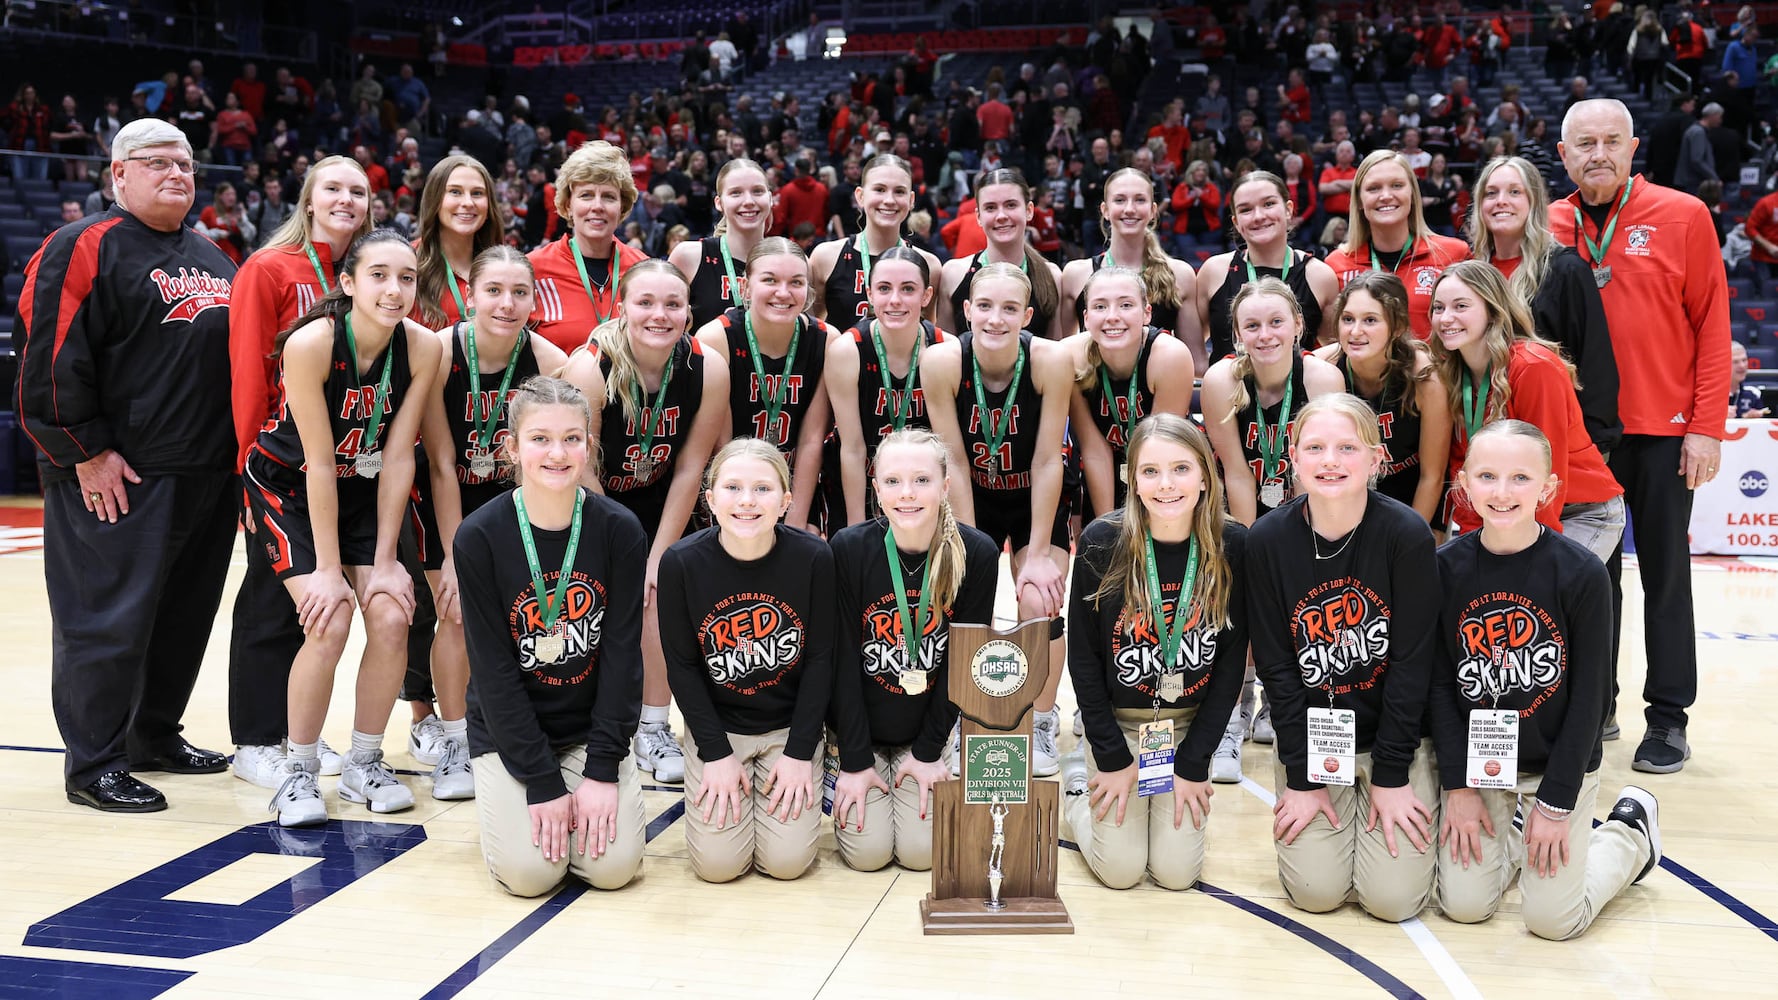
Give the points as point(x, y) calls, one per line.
point(123, 345)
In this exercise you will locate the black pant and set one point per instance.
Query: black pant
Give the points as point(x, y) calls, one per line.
point(131, 605)
point(1660, 517)
point(263, 641)
point(416, 685)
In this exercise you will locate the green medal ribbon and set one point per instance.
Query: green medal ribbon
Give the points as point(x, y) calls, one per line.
point(375, 423)
point(315, 262)
point(982, 258)
point(991, 435)
point(774, 400)
point(651, 415)
point(1289, 255)
point(463, 311)
point(1597, 250)
point(1271, 447)
point(728, 267)
point(485, 424)
point(906, 402)
point(1406, 252)
point(1170, 634)
point(913, 625)
point(1129, 425)
point(617, 260)
point(1475, 404)
point(552, 602)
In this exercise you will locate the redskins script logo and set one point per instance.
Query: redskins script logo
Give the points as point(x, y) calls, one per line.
point(581, 621)
point(1339, 627)
point(1507, 644)
point(189, 293)
point(881, 651)
point(1136, 649)
point(751, 641)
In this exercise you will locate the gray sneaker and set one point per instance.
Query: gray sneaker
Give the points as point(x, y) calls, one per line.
point(426, 740)
point(659, 753)
point(1045, 759)
point(370, 781)
point(1225, 763)
point(453, 778)
point(332, 763)
point(298, 799)
point(1262, 725)
point(260, 764)
point(1074, 772)
point(954, 749)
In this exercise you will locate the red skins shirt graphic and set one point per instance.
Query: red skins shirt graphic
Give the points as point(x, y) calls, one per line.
point(1341, 629)
point(751, 641)
point(1509, 650)
point(580, 624)
point(882, 653)
point(1136, 651)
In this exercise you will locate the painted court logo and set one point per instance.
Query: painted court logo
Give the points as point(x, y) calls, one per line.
point(1506, 644)
point(751, 641)
point(189, 293)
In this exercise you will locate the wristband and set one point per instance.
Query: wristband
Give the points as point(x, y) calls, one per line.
point(1551, 812)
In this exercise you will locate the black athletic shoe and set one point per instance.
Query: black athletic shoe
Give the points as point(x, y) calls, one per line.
point(118, 792)
point(1663, 751)
point(183, 758)
point(1637, 809)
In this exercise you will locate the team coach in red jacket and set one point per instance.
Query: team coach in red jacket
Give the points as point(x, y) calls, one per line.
point(1654, 254)
point(123, 387)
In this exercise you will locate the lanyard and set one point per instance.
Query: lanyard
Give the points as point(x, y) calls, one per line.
point(382, 396)
point(906, 399)
point(1377, 265)
point(1170, 634)
point(485, 423)
point(1289, 256)
point(1475, 405)
point(552, 602)
point(1597, 250)
point(463, 311)
point(651, 415)
point(617, 260)
point(774, 399)
point(320, 272)
point(914, 625)
point(1271, 446)
point(992, 435)
point(1024, 263)
point(863, 248)
point(1129, 425)
point(728, 267)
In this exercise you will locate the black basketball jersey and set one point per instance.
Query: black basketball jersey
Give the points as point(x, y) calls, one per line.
point(1128, 411)
point(711, 291)
point(1278, 425)
point(462, 411)
point(747, 399)
point(623, 468)
point(1010, 468)
point(1222, 325)
point(351, 395)
point(877, 406)
point(847, 302)
point(1161, 320)
point(1401, 438)
point(1041, 320)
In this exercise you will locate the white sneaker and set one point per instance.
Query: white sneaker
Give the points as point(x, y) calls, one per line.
point(260, 765)
point(1079, 728)
point(658, 752)
point(426, 741)
point(954, 749)
point(298, 800)
point(368, 780)
point(1262, 725)
point(1074, 772)
point(453, 778)
point(1045, 760)
point(1225, 763)
point(331, 761)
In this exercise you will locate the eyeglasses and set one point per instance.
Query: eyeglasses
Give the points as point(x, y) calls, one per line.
point(163, 164)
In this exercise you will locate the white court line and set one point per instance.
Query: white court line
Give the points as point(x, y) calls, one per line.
point(1430, 947)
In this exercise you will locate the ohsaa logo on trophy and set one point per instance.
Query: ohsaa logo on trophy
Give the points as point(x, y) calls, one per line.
point(999, 668)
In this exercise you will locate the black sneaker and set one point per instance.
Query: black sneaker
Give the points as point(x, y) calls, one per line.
point(1636, 808)
point(1663, 750)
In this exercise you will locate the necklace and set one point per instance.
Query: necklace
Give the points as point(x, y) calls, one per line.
point(1315, 539)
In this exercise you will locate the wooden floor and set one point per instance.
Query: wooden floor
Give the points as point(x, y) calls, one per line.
point(205, 900)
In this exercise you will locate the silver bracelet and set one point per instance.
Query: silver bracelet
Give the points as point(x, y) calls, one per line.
point(1551, 812)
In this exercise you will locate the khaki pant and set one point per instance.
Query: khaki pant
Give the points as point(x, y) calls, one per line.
point(1602, 862)
point(893, 828)
point(1147, 841)
point(1326, 868)
point(519, 866)
point(783, 850)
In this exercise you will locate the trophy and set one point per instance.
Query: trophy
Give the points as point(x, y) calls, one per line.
point(995, 829)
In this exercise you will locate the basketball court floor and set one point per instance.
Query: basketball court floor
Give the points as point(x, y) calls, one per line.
point(208, 900)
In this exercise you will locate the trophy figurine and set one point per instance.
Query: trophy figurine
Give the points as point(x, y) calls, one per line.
point(996, 853)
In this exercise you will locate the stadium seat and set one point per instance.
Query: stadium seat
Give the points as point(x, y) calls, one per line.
point(1762, 356)
point(1754, 310)
point(1740, 288)
point(20, 249)
point(1745, 333)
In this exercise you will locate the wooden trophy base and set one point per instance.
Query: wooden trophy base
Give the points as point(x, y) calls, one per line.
point(970, 915)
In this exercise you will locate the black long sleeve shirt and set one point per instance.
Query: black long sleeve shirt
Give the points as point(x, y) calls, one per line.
point(749, 644)
point(1354, 630)
point(526, 710)
point(1531, 632)
point(1567, 309)
point(1115, 664)
point(870, 707)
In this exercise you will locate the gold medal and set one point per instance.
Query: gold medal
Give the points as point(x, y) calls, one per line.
point(549, 648)
point(368, 464)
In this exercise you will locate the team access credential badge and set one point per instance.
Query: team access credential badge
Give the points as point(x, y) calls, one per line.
point(999, 668)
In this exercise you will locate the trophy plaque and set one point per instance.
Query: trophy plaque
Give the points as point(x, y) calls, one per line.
point(994, 829)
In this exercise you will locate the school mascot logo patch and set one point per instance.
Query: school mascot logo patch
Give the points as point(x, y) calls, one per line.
point(189, 293)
